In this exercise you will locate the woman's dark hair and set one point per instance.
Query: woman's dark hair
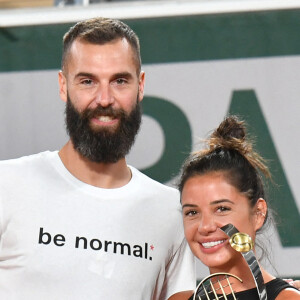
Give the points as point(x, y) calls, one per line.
point(230, 152)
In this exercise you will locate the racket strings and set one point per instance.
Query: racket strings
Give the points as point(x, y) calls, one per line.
point(214, 288)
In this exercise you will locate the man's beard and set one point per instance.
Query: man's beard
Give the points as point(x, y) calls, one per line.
point(105, 145)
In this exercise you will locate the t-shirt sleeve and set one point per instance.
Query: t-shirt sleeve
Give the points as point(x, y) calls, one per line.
point(180, 272)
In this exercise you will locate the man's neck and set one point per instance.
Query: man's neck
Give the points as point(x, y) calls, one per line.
point(108, 175)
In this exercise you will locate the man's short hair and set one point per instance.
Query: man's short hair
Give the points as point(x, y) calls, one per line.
point(100, 31)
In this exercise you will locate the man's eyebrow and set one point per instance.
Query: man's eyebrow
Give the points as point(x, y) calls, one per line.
point(114, 76)
point(122, 75)
point(84, 74)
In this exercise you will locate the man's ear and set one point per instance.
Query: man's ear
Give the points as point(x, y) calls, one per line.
point(260, 211)
point(141, 86)
point(62, 81)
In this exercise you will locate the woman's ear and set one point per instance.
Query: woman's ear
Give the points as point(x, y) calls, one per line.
point(260, 212)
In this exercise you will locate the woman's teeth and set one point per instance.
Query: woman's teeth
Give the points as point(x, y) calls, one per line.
point(212, 244)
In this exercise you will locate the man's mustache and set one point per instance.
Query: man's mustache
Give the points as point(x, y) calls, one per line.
point(103, 111)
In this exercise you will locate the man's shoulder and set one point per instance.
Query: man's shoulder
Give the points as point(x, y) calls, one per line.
point(21, 163)
point(153, 184)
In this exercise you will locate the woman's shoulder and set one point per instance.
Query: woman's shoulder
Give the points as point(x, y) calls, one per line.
point(281, 290)
point(288, 294)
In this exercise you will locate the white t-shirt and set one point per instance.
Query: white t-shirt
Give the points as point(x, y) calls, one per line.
point(63, 239)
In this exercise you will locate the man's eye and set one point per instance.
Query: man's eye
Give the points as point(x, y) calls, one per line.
point(121, 81)
point(87, 81)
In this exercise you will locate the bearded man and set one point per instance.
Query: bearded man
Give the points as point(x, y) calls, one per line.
point(80, 223)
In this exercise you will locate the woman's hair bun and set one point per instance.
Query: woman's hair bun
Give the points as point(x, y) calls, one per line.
point(230, 128)
point(231, 134)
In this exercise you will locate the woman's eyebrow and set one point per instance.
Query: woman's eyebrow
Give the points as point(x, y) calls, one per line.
point(221, 201)
point(189, 205)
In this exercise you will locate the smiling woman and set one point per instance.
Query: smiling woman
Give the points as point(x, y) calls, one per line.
point(222, 185)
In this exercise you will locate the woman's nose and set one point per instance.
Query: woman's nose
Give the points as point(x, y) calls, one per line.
point(207, 225)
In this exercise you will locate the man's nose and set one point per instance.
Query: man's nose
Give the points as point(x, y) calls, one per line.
point(104, 96)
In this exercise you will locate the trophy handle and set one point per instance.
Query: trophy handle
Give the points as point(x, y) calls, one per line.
point(243, 243)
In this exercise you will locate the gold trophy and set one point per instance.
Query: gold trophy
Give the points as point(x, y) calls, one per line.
point(218, 285)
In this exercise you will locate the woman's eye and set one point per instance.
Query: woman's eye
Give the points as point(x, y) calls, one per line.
point(223, 209)
point(191, 213)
